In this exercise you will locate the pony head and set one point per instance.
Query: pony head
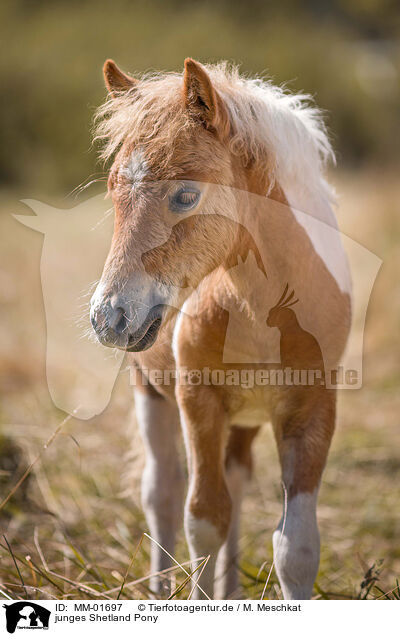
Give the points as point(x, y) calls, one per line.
point(182, 146)
point(172, 135)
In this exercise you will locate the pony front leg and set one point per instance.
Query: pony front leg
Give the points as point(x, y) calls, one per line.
point(238, 467)
point(303, 443)
point(208, 504)
point(162, 479)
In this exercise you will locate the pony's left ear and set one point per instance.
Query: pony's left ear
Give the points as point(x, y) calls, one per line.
point(202, 100)
point(116, 81)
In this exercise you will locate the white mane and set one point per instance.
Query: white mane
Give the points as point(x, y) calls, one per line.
point(287, 126)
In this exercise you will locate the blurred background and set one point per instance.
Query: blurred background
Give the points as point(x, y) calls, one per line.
point(346, 54)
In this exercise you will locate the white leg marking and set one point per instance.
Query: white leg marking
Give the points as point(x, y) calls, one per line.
point(203, 540)
point(162, 481)
point(202, 536)
point(227, 580)
point(296, 550)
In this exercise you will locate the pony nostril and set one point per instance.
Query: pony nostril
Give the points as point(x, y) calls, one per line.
point(119, 321)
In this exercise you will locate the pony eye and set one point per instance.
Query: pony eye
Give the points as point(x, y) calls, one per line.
point(183, 200)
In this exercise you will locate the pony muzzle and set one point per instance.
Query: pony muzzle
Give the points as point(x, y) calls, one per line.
point(122, 325)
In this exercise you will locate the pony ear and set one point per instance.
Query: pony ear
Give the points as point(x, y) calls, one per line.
point(201, 99)
point(116, 81)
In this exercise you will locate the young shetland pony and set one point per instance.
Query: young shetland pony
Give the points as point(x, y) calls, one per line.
point(184, 146)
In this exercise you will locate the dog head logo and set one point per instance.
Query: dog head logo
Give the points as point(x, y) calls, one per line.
point(26, 615)
point(75, 247)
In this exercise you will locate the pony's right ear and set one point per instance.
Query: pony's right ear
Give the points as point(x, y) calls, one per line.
point(117, 81)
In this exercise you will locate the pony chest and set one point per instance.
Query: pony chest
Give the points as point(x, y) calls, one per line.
point(250, 408)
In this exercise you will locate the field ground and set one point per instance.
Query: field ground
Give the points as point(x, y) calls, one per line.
point(71, 528)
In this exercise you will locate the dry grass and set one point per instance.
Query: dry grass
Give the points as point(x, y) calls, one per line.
point(70, 531)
